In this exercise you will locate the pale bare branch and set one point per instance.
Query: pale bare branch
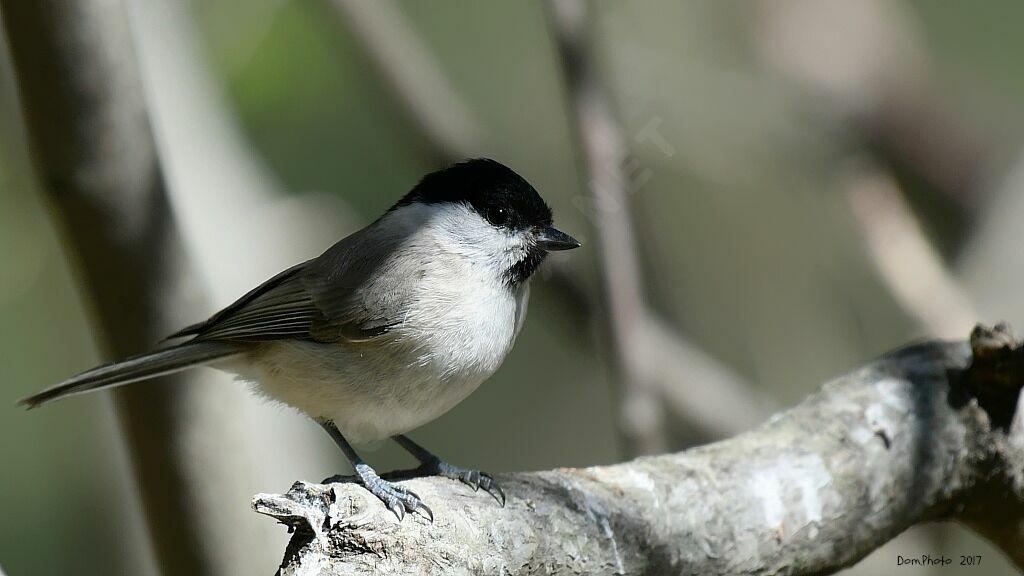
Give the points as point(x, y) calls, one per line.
point(923, 434)
point(405, 64)
point(652, 361)
point(903, 255)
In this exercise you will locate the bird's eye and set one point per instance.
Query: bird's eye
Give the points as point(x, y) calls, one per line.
point(497, 216)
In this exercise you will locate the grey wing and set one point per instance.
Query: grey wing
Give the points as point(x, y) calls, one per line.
point(323, 300)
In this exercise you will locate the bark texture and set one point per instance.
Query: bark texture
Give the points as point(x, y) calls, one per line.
point(929, 432)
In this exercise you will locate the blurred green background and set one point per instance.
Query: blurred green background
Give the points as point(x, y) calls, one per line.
point(748, 242)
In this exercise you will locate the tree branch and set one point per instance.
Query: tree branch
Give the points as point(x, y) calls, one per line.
point(602, 151)
point(414, 77)
point(905, 259)
point(643, 346)
point(925, 433)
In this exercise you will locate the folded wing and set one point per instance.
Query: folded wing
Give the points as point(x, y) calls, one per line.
point(327, 299)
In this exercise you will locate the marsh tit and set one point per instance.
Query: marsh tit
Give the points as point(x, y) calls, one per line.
point(388, 329)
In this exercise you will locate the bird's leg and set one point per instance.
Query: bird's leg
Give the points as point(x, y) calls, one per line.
point(398, 499)
point(431, 465)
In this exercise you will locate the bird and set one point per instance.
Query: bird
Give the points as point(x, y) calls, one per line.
point(386, 330)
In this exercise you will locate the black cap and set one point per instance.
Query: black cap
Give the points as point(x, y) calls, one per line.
point(494, 190)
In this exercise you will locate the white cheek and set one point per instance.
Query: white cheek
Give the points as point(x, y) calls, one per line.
point(468, 234)
point(458, 231)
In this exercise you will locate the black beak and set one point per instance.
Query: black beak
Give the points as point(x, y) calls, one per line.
point(551, 240)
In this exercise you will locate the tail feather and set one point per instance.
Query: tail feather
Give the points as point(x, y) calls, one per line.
point(143, 367)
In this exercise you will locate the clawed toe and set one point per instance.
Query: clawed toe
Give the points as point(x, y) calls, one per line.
point(402, 500)
point(491, 487)
point(475, 479)
point(472, 478)
point(427, 512)
point(431, 465)
point(398, 499)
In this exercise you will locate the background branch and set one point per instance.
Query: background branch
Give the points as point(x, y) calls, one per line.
point(905, 259)
point(644, 348)
point(415, 78)
point(920, 435)
point(241, 229)
point(91, 142)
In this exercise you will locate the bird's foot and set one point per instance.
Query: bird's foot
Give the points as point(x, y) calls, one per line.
point(475, 479)
point(398, 499)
